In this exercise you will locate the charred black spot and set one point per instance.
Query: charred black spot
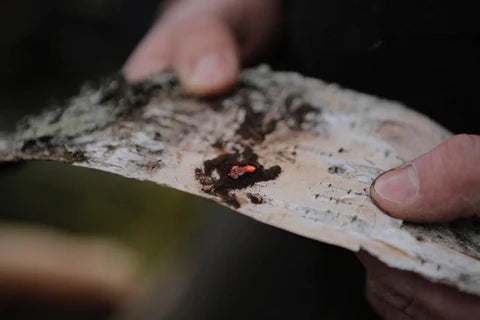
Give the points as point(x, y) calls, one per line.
point(139, 94)
point(232, 201)
point(35, 144)
point(219, 144)
point(300, 113)
point(78, 156)
point(114, 89)
point(254, 126)
point(336, 170)
point(215, 103)
point(289, 101)
point(28, 145)
point(298, 109)
point(223, 185)
point(255, 198)
point(45, 139)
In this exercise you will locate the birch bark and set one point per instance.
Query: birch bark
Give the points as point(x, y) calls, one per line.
point(316, 148)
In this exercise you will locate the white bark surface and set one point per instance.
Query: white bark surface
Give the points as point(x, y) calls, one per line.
point(329, 142)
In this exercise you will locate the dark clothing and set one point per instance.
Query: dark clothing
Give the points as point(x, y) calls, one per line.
point(423, 53)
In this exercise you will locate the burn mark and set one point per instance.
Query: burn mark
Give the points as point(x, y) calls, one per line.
point(124, 96)
point(300, 113)
point(45, 147)
point(29, 145)
point(215, 180)
point(255, 198)
point(138, 94)
point(254, 126)
point(297, 110)
point(219, 144)
point(215, 103)
point(336, 170)
point(157, 136)
point(113, 90)
point(79, 156)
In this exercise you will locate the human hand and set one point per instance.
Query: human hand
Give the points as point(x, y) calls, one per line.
point(439, 186)
point(400, 295)
point(204, 41)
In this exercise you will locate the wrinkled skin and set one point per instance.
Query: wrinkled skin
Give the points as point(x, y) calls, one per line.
point(401, 295)
point(205, 42)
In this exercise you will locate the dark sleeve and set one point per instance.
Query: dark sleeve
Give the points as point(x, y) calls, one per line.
point(420, 52)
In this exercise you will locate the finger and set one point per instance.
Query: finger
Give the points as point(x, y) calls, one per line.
point(439, 186)
point(388, 289)
point(152, 55)
point(375, 296)
point(206, 56)
point(401, 292)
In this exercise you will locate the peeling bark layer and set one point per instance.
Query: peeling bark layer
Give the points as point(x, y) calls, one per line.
point(316, 149)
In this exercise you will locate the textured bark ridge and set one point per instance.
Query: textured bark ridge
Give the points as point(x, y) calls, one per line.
point(316, 149)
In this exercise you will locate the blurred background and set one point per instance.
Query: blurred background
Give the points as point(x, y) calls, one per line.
point(81, 244)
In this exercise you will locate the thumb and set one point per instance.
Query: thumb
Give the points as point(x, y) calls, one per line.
point(439, 186)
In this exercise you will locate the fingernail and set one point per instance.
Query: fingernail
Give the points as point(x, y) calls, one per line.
point(399, 185)
point(210, 69)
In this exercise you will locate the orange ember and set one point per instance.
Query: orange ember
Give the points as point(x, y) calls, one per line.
point(237, 171)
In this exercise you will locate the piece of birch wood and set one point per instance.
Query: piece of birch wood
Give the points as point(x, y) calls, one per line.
point(316, 148)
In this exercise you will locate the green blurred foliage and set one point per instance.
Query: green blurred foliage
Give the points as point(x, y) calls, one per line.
point(156, 222)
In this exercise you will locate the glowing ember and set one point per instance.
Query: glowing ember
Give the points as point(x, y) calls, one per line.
point(237, 171)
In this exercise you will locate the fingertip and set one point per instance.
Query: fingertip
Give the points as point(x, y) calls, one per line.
point(365, 258)
point(139, 69)
point(395, 189)
point(439, 186)
point(206, 57)
point(152, 55)
point(212, 74)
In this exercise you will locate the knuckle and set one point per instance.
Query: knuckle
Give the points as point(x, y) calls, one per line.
point(386, 305)
point(468, 144)
point(464, 150)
